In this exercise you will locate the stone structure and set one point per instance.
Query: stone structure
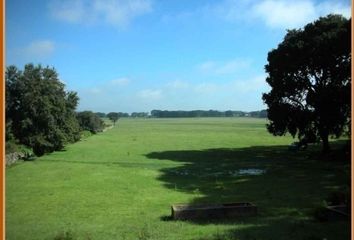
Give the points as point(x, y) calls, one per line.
point(213, 211)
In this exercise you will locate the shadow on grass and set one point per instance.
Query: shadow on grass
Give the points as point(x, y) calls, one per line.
point(106, 163)
point(283, 228)
point(287, 189)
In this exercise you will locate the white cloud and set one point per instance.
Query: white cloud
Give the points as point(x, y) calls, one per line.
point(253, 84)
point(296, 14)
point(207, 88)
point(325, 8)
point(232, 66)
point(220, 68)
point(120, 81)
point(116, 86)
point(120, 13)
point(206, 66)
point(150, 94)
point(183, 16)
point(230, 10)
point(38, 49)
point(177, 84)
point(237, 94)
point(283, 14)
point(117, 13)
point(69, 11)
point(95, 90)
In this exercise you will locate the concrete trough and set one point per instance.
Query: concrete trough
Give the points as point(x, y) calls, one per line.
point(212, 211)
point(337, 213)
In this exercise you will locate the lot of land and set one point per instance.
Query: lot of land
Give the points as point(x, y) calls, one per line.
point(120, 184)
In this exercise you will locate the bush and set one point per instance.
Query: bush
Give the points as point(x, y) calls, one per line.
point(89, 121)
point(13, 147)
point(320, 213)
point(337, 198)
point(85, 134)
point(66, 235)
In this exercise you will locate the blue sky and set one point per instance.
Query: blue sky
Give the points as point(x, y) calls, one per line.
point(140, 55)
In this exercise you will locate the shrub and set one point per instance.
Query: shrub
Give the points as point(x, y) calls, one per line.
point(13, 147)
point(89, 121)
point(66, 235)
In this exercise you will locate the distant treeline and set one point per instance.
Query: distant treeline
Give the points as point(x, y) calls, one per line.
point(209, 113)
point(189, 114)
point(124, 115)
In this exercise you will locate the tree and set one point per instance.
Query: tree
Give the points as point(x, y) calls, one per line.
point(39, 112)
point(122, 115)
point(229, 113)
point(100, 114)
point(139, 114)
point(113, 116)
point(309, 73)
point(258, 114)
point(89, 121)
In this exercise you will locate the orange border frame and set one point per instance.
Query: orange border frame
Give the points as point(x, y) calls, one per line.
point(352, 125)
point(2, 121)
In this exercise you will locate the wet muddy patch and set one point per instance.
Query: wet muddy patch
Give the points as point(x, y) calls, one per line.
point(228, 173)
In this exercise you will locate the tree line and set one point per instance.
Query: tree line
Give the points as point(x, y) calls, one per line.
point(114, 116)
point(208, 113)
point(123, 114)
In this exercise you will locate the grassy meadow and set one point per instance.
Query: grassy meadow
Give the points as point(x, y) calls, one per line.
point(120, 184)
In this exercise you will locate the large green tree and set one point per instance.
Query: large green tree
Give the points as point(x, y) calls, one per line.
point(39, 112)
point(309, 75)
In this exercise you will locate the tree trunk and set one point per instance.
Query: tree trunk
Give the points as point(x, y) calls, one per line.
point(325, 142)
point(325, 146)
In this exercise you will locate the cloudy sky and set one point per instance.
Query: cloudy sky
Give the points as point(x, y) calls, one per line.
point(139, 55)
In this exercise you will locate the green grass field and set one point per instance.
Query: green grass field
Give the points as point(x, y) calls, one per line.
point(120, 184)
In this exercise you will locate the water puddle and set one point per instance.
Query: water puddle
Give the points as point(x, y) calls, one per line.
point(251, 171)
point(235, 173)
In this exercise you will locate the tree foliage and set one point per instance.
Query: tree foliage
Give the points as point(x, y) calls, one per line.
point(100, 114)
point(203, 113)
point(39, 112)
point(89, 121)
point(139, 115)
point(309, 73)
point(113, 116)
point(123, 115)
